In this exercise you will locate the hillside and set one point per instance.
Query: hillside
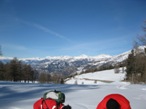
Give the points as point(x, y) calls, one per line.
point(99, 77)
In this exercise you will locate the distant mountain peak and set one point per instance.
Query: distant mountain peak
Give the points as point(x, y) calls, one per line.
point(104, 56)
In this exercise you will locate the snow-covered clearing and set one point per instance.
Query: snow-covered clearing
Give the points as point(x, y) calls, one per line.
point(22, 95)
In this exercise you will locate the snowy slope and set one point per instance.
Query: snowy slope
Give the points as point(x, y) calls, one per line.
point(23, 96)
point(99, 77)
point(85, 96)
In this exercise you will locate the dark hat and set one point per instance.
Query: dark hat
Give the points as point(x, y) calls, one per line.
point(66, 107)
point(112, 104)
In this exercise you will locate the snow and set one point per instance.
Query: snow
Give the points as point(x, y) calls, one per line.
point(98, 77)
point(71, 58)
point(81, 96)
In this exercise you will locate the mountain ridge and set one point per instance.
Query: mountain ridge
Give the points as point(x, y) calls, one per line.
point(83, 56)
point(68, 65)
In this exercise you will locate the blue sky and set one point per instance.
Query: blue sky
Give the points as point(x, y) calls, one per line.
point(40, 28)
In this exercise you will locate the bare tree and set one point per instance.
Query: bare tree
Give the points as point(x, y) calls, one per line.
point(141, 39)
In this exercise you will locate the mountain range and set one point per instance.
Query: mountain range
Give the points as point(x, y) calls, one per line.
point(68, 65)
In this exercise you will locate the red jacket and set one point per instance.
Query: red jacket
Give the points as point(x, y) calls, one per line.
point(47, 104)
point(124, 103)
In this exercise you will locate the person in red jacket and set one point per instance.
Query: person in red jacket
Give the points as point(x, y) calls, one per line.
point(49, 104)
point(51, 100)
point(114, 101)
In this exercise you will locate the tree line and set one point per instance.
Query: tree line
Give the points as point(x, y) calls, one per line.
point(136, 67)
point(15, 70)
point(136, 62)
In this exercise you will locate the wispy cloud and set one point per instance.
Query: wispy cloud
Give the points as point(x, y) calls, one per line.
point(45, 29)
point(51, 32)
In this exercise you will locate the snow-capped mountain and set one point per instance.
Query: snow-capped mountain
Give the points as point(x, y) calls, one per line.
point(70, 64)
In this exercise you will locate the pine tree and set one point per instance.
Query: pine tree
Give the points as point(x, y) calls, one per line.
point(130, 66)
